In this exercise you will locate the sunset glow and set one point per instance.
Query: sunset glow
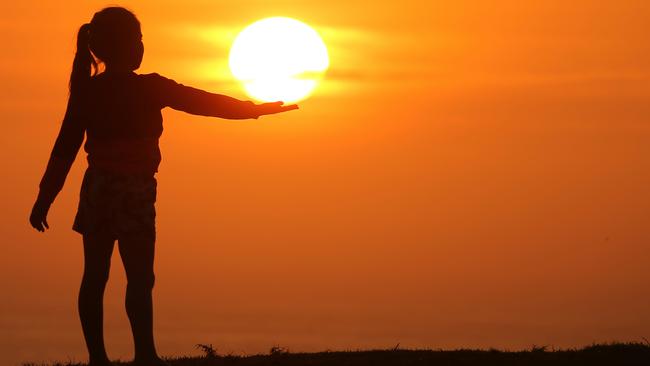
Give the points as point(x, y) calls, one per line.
point(459, 175)
point(278, 59)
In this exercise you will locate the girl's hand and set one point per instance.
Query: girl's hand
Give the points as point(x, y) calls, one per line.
point(273, 108)
point(38, 217)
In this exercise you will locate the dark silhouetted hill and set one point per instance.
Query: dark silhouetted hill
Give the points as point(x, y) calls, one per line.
point(615, 354)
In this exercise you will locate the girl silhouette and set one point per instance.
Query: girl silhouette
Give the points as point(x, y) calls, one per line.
point(119, 112)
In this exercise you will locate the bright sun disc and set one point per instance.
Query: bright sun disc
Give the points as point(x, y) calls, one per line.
point(278, 58)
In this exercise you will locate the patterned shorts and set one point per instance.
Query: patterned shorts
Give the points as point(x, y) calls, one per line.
point(116, 205)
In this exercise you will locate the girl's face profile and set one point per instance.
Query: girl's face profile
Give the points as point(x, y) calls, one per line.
point(127, 58)
point(138, 54)
point(132, 55)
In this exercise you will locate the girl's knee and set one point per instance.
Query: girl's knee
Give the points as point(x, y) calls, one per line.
point(95, 278)
point(143, 281)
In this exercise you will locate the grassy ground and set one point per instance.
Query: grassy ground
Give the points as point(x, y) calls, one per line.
point(615, 354)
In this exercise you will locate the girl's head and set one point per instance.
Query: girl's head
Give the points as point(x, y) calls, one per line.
point(114, 38)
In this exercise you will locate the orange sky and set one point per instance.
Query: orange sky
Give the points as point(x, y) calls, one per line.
point(470, 174)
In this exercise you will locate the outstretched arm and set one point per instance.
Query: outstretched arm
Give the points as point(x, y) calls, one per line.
point(63, 155)
point(201, 102)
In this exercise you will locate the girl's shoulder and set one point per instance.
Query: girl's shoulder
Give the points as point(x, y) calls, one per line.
point(150, 77)
point(154, 76)
point(156, 80)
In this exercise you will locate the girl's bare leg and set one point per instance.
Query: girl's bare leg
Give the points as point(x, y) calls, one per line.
point(97, 263)
point(137, 252)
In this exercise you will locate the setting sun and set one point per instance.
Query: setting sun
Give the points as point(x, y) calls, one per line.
point(278, 58)
point(243, 183)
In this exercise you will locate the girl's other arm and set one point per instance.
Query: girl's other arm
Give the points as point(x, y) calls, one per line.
point(63, 155)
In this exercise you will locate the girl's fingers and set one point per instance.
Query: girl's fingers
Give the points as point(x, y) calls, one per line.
point(271, 105)
point(276, 107)
point(39, 224)
point(286, 108)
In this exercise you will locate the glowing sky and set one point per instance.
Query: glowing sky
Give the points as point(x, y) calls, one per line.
point(469, 174)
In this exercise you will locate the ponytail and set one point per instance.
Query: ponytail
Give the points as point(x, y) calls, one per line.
point(84, 63)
